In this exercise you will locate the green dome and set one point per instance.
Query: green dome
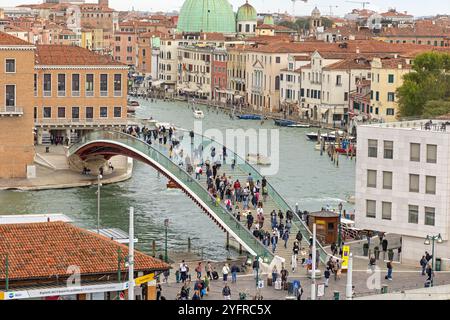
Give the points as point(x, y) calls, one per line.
point(268, 20)
point(246, 13)
point(206, 16)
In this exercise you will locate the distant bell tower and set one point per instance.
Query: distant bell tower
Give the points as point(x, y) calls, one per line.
point(316, 20)
point(103, 3)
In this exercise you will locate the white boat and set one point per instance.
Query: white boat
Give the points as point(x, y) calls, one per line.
point(198, 114)
point(299, 126)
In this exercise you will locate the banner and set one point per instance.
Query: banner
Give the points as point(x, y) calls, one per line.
point(345, 256)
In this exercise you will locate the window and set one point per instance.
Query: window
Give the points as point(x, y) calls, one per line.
point(277, 60)
point(35, 85)
point(10, 95)
point(47, 112)
point(371, 178)
point(89, 113)
point(75, 85)
point(391, 96)
point(413, 214)
point(373, 148)
point(391, 78)
point(429, 216)
point(388, 149)
point(75, 113)
point(61, 112)
point(61, 85)
point(103, 85)
point(89, 85)
point(386, 210)
point(10, 66)
point(414, 152)
point(387, 180)
point(371, 209)
point(431, 153)
point(390, 111)
point(339, 80)
point(430, 185)
point(117, 112)
point(47, 85)
point(414, 183)
point(117, 85)
point(377, 96)
point(103, 112)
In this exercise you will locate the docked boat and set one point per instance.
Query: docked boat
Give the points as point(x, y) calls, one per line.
point(331, 136)
point(132, 106)
point(299, 125)
point(284, 123)
point(250, 117)
point(198, 114)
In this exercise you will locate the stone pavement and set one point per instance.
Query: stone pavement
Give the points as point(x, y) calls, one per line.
point(54, 173)
point(404, 278)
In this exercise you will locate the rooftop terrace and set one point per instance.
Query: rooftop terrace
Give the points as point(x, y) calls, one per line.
point(442, 126)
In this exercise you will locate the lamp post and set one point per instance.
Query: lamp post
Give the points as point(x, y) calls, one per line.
point(432, 240)
point(257, 271)
point(166, 225)
point(99, 177)
point(340, 225)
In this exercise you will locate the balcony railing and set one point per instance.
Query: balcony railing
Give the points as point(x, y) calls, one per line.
point(103, 93)
point(10, 111)
point(117, 93)
point(89, 93)
point(75, 93)
point(47, 93)
point(61, 93)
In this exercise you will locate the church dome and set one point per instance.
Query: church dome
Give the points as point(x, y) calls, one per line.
point(315, 12)
point(268, 20)
point(206, 16)
point(246, 13)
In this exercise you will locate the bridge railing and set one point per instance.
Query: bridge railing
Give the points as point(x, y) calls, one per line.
point(273, 193)
point(192, 184)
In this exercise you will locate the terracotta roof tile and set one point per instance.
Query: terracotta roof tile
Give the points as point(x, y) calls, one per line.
point(61, 55)
point(40, 250)
point(9, 40)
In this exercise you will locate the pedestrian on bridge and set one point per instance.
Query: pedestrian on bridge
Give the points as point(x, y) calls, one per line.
point(285, 237)
point(274, 241)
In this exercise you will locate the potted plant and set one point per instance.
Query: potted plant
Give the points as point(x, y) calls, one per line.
point(390, 254)
point(366, 249)
point(377, 252)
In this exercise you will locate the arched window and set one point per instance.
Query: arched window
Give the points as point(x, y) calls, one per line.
point(277, 83)
point(169, 55)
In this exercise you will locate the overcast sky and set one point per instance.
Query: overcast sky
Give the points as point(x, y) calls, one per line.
point(415, 7)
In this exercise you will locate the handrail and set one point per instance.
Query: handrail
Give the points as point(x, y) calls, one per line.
point(102, 134)
point(324, 255)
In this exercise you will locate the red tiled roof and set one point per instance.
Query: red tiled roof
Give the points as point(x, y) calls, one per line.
point(347, 64)
point(9, 40)
point(41, 250)
point(60, 55)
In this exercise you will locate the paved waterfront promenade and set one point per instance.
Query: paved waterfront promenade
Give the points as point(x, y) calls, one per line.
point(404, 278)
point(53, 172)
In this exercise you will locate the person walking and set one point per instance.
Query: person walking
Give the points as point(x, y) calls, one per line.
point(327, 275)
point(183, 271)
point(226, 292)
point(430, 273)
point(198, 270)
point(294, 262)
point(274, 274)
point(255, 267)
point(225, 272)
point(423, 263)
point(234, 271)
point(209, 270)
point(274, 241)
point(285, 238)
point(389, 271)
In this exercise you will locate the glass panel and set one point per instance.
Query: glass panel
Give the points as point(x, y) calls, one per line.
point(430, 185)
point(371, 178)
point(413, 214)
point(388, 149)
point(415, 152)
point(373, 148)
point(387, 180)
point(431, 153)
point(10, 98)
point(429, 216)
point(386, 213)
point(414, 183)
point(371, 208)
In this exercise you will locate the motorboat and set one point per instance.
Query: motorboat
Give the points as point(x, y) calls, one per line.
point(250, 117)
point(331, 136)
point(198, 114)
point(299, 125)
point(132, 106)
point(284, 123)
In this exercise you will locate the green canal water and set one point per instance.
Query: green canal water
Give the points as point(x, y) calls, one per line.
point(304, 177)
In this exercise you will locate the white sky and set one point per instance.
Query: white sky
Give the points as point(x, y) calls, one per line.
point(415, 7)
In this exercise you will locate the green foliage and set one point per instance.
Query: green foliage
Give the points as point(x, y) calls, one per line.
point(289, 24)
point(430, 81)
point(434, 109)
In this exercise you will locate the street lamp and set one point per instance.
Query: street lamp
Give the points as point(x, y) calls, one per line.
point(257, 271)
point(99, 177)
point(340, 225)
point(166, 225)
point(432, 240)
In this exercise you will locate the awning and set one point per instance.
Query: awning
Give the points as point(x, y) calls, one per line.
point(157, 83)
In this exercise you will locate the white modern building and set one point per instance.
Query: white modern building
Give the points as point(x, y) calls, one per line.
point(403, 184)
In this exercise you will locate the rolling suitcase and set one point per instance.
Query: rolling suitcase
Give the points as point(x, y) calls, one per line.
point(215, 275)
point(269, 282)
point(278, 284)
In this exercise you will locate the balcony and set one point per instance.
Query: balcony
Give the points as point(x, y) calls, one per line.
point(11, 111)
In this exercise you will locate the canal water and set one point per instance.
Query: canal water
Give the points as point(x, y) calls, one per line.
point(304, 177)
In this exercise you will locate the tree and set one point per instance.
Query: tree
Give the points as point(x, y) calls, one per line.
point(435, 109)
point(288, 24)
point(429, 81)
